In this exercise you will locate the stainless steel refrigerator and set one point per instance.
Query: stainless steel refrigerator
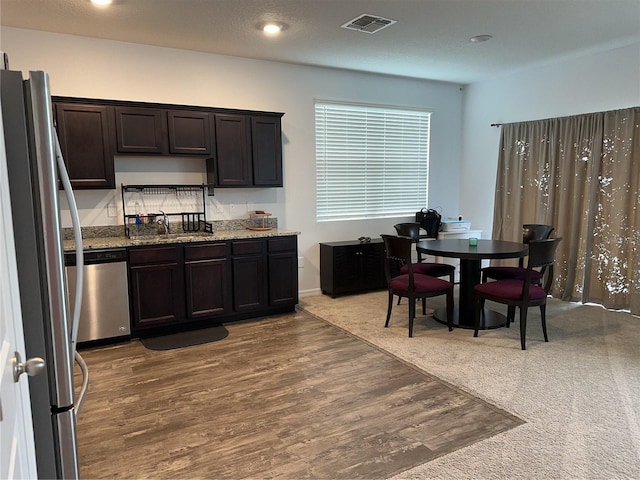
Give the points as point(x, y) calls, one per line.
point(30, 144)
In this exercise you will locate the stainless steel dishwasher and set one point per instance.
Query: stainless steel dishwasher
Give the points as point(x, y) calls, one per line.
point(105, 299)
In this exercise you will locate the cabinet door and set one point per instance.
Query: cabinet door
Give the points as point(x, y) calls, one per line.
point(140, 130)
point(232, 166)
point(157, 295)
point(249, 283)
point(189, 132)
point(266, 145)
point(85, 143)
point(347, 269)
point(207, 284)
point(372, 266)
point(156, 277)
point(283, 278)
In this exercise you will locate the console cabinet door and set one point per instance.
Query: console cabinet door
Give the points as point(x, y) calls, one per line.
point(83, 131)
point(208, 280)
point(189, 132)
point(266, 145)
point(141, 130)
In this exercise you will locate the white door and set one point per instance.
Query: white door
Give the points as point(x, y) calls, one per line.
point(17, 448)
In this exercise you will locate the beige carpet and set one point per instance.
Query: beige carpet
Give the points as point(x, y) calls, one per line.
point(579, 393)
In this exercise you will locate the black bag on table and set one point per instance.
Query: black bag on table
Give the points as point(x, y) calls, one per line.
point(430, 221)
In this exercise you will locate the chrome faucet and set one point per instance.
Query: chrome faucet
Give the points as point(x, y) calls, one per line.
point(164, 221)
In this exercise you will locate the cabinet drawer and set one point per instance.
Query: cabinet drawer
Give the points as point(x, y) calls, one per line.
point(247, 247)
point(153, 255)
point(281, 244)
point(202, 252)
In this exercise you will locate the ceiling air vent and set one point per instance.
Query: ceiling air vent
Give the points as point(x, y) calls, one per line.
point(368, 23)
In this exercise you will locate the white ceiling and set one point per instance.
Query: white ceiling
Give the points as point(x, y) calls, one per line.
point(430, 39)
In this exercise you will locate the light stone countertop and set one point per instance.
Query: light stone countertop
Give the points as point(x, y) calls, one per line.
point(123, 241)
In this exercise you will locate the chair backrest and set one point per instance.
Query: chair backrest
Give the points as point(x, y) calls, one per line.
point(397, 253)
point(542, 254)
point(411, 230)
point(534, 231)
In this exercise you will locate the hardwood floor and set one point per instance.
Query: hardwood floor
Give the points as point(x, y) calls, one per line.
point(289, 396)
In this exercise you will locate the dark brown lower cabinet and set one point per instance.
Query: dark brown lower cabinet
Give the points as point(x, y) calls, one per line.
point(249, 275)
point(212, 281)
point(283, 270)
point(157, 286)
point(207, 276)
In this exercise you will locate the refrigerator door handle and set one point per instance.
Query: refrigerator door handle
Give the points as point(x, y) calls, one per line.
point(43, 135)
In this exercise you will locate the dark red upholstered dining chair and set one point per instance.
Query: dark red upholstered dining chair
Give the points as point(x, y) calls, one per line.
point(411, 285)
point(522, 293)
point(530, 231)
point(412, 230)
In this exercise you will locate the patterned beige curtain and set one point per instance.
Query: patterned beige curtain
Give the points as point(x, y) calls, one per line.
point(582, 175)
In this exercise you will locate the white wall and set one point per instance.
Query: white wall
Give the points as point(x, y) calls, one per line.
point(93, 68)
point(591, 83)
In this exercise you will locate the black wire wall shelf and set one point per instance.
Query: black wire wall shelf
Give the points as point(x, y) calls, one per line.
point(157, 209)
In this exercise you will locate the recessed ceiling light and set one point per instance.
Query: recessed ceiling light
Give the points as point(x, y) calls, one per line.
point(101, 3)
point(480, 38)
point(272, 28)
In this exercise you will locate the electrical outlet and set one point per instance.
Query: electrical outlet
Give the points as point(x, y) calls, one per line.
point(300, 262)
point(111, 210)
point(232, 208)
point(250, 207)
point(220, 208)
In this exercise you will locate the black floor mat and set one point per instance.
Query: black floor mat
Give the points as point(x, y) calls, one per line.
point(186, 339)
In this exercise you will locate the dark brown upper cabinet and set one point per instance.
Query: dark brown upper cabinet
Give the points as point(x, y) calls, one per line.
point(231, 165)
point(190, 133)
point(266, 150)
point(140, 130)
point(248, 151)
point(83, 131)
point(243, 148)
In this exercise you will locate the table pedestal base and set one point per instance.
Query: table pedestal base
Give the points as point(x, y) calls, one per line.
point(488, 319)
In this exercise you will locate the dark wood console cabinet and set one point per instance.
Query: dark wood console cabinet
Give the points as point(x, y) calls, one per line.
point(351, 267)
point(214, 282)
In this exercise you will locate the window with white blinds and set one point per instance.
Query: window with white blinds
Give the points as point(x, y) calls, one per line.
point(371, 161)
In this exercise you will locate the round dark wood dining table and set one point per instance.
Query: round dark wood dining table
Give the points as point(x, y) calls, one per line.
point(471, 257)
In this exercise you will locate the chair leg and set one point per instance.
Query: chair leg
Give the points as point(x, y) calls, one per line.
point(450, 309)
point(484, 277)
point(399, 298)
point(452, 277)
point(424, 306)
point(523, 326)
point(543, 315)
point(386, 324)
point(511, 314)
point(478, 307)
point(412, 314)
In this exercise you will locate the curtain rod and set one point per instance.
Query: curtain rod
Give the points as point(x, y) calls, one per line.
point(496, 124)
